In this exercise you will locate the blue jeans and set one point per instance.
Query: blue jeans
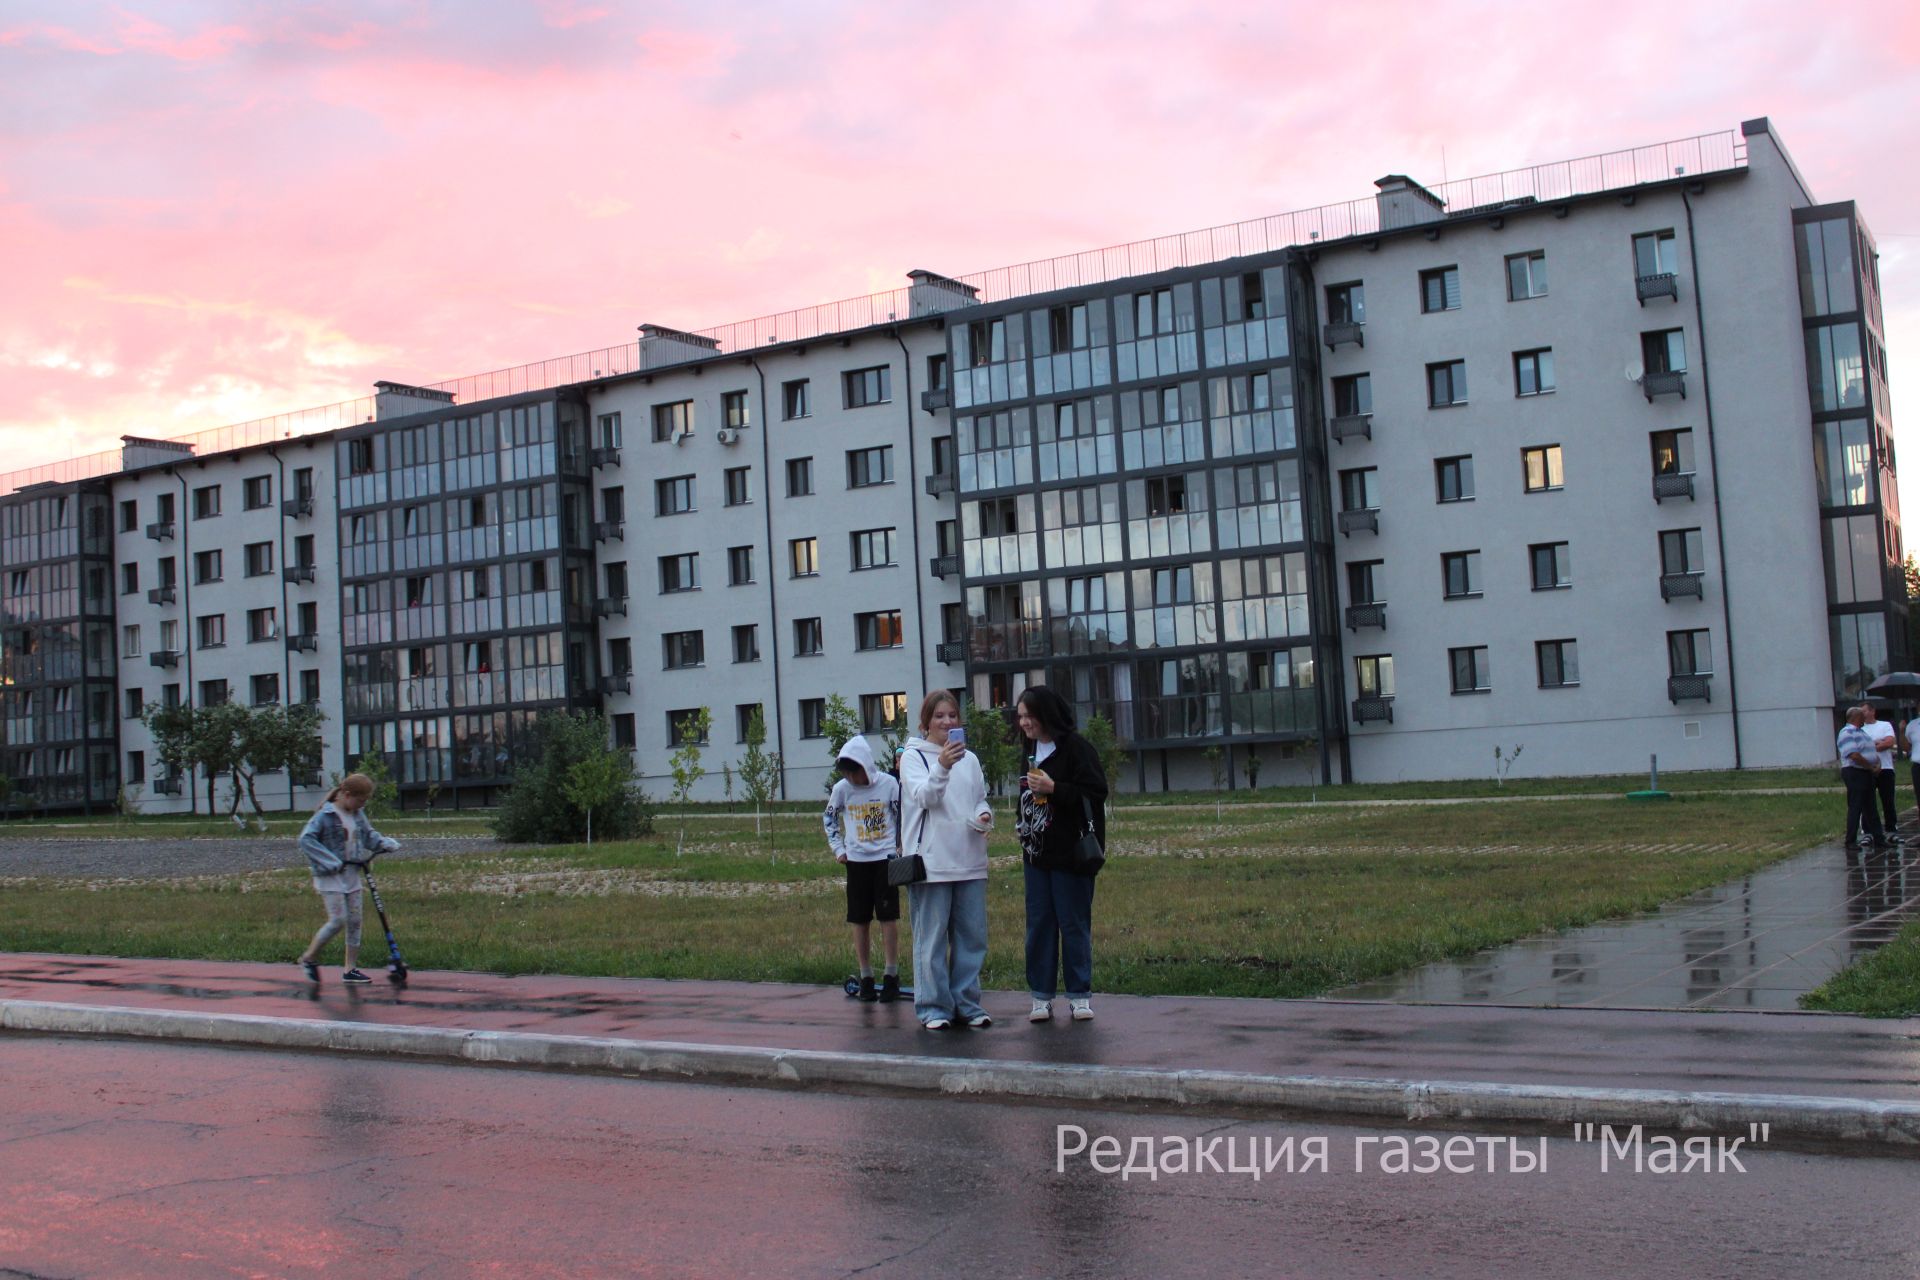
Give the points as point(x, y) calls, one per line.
point(1059, 932)
point(949, 947)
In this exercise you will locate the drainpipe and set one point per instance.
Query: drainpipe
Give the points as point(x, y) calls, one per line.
point(913, 508)
point(773, 590)
point(185, 579)
point(1713, 460)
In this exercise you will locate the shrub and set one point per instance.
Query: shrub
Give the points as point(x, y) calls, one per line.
point(541, 808)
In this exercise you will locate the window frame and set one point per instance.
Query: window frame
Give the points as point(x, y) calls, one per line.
point(1468, 562)
point(1449, 300)
point(1560, 650)
point(1561, 564)
point(1479, 673)
point(1552, 458)
point(1455, 372)
point(1528, 258)
point(1463, 478)
point(1539, 360)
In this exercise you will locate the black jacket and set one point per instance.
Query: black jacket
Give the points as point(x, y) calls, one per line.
point(1075, 769)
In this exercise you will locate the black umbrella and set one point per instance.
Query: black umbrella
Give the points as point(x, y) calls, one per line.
point(1897, 684)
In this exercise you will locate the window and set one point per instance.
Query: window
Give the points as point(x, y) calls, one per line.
point(937, 379)
point(813, 717)
point(1166, 496)
point(807, 638)
point(206, 502)
point(303, 483)
point(212, 628)
point(136, 768)
point(1373, 675)
point(1358, 490)
point(1543, 469)
point(803, 554)
point(359, 457)
point(679, 573)
point(620, 657)
point(256, 492)
point(681, 727)
point(872, 548)
point(799, 477)
point(1469, 667)
point(684, 649)
point(743, 714)
point(738, 492)
point(1526, 276)
point(130, 642)
point(266, 690)
point(309, 618)
point(136, 703)
point(739, 566)
point(1689, 653)
point(1533, 372)
point(671, 420)
point(129, 578)
point(877, 630)
point(170, 636)
point(869, 467)
point(734, 412)
point(1347, 303)
point(213, 693)
point(1552, 566)
point(616, 578)
point(206, 566)
point(624, 737)
point(795, 401)
point(862, 387)
point(1446, 384)
point(1672, 452)
point(163, 505)
point(613, 504)
point(746, 643)
point(1681, 551)
point(878, 711)
point(310, 686)
point(259, 558)
point(1362, 582)
point(1654, 254)
point(1664, 351)
point(1460, 574)
point(262, 624)
point(1352, 395)
point(1453, 479)
point(609, 424)
point(129, 515)
point(1440, 289)
point(1153, 312)
point(672, 496)
point(1558, 662)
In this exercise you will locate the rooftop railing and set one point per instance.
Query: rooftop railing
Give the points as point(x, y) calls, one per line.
point(1487, 195)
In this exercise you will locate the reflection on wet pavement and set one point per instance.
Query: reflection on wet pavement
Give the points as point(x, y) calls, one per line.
point(1760, 942)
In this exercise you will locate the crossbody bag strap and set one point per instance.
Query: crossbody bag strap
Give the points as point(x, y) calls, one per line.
point(924, 812)
point(1086, 806)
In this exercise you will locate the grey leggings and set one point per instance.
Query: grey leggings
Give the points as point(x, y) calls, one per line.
point(343, 912)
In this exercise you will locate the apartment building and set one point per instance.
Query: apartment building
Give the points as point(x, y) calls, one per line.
point(1592, 460)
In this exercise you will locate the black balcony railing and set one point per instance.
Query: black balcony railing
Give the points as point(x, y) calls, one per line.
point(1366, 710)
point(163, 658)
point(940, 482)
point(950, 651)
point(160, 595)
point(605, 456)
point(297, 508)
point(1360, 520)
point(1338, 331)
point(307, 643)
point(609, 606)
point(943, 566)
point(937, 399)
point(1187, 717)
point(618, 682)
point(161, 531)
point(168, 785)
point(1690, 688)
point(298, 573)
point(1672, 484)
point(1664, 285)
point(1372, 613)
point(1664, 382)
point(609, 530)
point(1348, 425)
point(1680, 586)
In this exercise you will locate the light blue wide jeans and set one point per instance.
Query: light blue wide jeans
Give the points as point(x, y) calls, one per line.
point(949, 947)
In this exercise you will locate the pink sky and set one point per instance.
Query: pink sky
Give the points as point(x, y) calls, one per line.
point(212, 212)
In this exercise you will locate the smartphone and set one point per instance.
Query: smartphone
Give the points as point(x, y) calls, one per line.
point(957, 734)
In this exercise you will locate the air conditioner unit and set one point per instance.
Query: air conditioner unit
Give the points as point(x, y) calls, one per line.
point(729, 436)
point(681, 437)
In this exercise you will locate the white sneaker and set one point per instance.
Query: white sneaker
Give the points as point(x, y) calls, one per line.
point(936, 1024)
point(1042, 1011)
point(1083, 1010)
point(980, 1022)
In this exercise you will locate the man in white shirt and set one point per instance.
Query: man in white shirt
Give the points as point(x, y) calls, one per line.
point(1859, 762)
point(1885, 784)
point(1913, 755)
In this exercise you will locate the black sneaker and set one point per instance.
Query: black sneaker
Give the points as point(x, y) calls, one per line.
point(889, 988)
point(311, 969)
point(355, 977)
point(867, 992)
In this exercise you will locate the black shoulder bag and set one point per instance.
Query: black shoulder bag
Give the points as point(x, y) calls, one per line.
point(910, 868)
point(1088, 856)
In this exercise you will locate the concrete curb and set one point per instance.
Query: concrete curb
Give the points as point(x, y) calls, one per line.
point(1551, 1109)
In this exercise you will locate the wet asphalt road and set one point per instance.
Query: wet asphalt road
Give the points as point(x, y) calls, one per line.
point(134, 1158)
point(207, 855)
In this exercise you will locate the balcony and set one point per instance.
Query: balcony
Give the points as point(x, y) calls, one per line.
point(161, 531)
point(1200, 717)
point(618, 682)
point(1664, 382)
point(937, 399)
point(950, 651)
point(168, 658)
point(1360, 520)
point(1664, 285)
point(1007, 641)
point(297, 508)
point(608, 606)
point(1336, 332)
point(160, 595)
point(943, 566)
point(609, 530)
point(1672, 484)
point(1372, 613)
point(298, 573)
point(167, 785)
point(940, 482)
point(1690, 688)
point(607, 455)
point(1679, 586)
point(1347, 425)
point(306, 643)
point(1367, 710)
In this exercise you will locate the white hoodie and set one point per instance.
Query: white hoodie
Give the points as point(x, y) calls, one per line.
point(863, 822)
point(938, 807)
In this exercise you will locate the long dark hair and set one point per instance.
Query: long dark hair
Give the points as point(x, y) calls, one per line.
point(1054, 712)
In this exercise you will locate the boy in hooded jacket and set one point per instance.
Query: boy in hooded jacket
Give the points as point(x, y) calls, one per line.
point(862, 821)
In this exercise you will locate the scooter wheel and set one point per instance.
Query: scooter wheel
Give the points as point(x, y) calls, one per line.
point(852, 986)
point(397, 975)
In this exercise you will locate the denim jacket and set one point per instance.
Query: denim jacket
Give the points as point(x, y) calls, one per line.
point(325, 840)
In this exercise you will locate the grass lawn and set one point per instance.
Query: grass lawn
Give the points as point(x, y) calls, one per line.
point(1884, 985)
point(1261, 902)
